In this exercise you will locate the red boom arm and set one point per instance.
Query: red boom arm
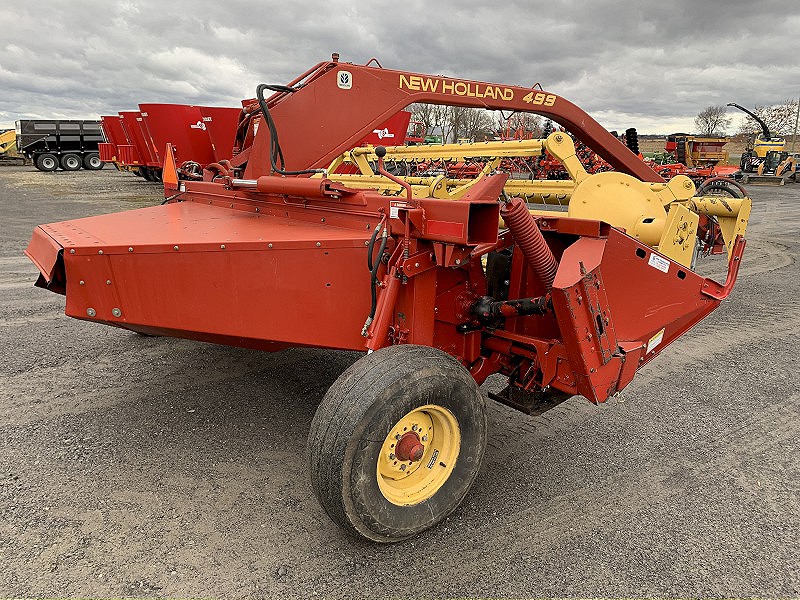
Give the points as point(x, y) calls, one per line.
point(337, 104)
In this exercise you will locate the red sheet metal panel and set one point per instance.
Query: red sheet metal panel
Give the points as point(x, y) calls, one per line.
point(107, 151)
point(616, 292)
point(128, 156)
point(392, 132)
point(221, 124)
point(115, 134)
point(180, 125)
point(216, 274)
point(43, 251)
point(112, 128)
point(139, 155)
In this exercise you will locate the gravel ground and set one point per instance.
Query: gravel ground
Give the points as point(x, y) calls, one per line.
point(135, 466)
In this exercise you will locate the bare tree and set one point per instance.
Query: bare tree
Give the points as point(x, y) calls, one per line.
point(779, 118)
point(518, 125)
point(470, 123)
point(430, 115)
point(454, 122)
point(712, 121)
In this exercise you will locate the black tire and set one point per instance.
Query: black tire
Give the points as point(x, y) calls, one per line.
point(632, 140)
point(680, 151)
point(71, 162)
point(92, 162)
point(720, 188)
point(147, 173)
point(355, 423)
point(46, 162)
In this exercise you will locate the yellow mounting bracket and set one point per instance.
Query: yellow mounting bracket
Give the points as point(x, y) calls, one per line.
point(732, 215)
point(560, 145)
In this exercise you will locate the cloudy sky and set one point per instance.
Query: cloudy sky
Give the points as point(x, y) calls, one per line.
point(647, 64)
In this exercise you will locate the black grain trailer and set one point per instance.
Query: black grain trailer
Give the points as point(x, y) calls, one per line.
point(51, 143)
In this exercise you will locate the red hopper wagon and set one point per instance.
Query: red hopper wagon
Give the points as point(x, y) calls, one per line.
point(272, 252)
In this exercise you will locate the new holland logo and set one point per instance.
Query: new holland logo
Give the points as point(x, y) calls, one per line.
point(382, 133)
point(344, 80)
point(198, 125)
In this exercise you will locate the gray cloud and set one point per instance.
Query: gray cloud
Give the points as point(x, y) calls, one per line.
point(650, 64)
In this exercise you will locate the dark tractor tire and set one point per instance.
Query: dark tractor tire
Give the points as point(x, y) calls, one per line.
point(71, 162)
point(46, 162)
point(397, 442)
point(720, 188)
point(632, 140)
point(680, 151)
point(147, 173)
point(92, 162)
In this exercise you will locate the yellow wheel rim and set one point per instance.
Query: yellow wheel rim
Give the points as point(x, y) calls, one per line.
point(418, 455)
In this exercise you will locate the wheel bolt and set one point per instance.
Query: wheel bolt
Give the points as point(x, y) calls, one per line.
point(424, 438)
point(391, 456)
point(402, 467)
point(413, 428)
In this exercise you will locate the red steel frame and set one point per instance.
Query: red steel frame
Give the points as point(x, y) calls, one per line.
point(375, 94)
point(269, 261)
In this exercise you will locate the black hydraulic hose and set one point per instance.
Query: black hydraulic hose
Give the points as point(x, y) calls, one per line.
point(373, 271)
point(371, 244)
point(374, 275)
point(275, 152)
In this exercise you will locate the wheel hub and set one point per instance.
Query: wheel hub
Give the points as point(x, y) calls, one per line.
point(409, 448)
point(418, 455)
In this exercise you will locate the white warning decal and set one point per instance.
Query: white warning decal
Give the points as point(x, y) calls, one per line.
point(382, 133)
point(658, 262)
point(344, 80)
point(654, 341)
point(394, 208)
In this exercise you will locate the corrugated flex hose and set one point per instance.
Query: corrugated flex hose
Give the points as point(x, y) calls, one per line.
point(530, 240)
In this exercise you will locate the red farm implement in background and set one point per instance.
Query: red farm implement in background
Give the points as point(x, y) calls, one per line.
point(200, 136)
point(115, 134)
point(441, 285)
point(698, 157)
point(221, 123)
point(140, 154)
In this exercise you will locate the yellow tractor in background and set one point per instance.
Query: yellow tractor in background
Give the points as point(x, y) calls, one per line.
point(766, 161)
point(8, 147)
